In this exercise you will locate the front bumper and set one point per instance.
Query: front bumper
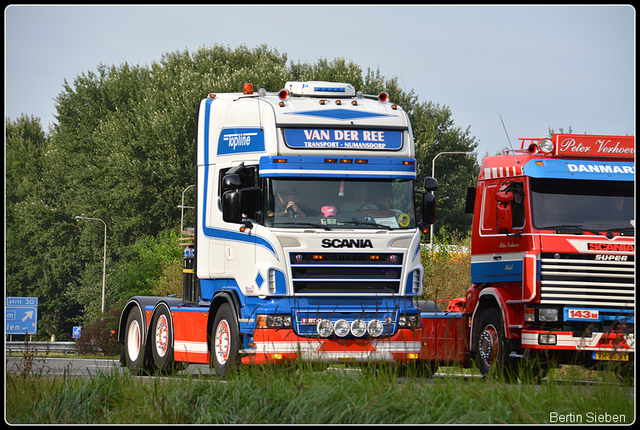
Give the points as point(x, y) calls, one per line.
point(283, 345)
point(564, 340)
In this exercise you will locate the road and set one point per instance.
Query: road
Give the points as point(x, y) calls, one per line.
point(78, 367)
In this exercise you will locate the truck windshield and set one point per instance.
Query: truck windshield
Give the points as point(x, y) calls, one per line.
point(335, 204)
point(582, 205)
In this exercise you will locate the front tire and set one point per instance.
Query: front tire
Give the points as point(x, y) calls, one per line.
point(224, 342)
point(492, 348)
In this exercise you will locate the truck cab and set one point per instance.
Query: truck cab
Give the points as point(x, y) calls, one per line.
point(553, 252)
point(307, 235)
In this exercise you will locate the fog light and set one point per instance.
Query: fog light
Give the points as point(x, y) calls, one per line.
point(358, 328)
point(341, 328)
point(549, 315)
point(547, 339)
point(375, 328)
point(325, 328)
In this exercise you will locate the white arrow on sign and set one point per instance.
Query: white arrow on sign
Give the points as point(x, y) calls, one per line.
point(27, 315)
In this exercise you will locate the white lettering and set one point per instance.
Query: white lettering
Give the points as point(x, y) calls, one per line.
point(570, 145)
point(601, 168)
point(602, 147)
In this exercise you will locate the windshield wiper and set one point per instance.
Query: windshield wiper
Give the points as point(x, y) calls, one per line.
point(569, 228)
point(367, 223)
point(307, 224)
point(622, 230)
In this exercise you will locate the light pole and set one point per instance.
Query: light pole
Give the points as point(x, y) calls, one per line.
point(433, 175)
point(182, 208)
point(104, 262)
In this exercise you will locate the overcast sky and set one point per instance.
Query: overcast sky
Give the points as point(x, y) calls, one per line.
point(537, 66)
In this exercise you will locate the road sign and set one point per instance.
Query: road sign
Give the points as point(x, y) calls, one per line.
point(21, 315)
point(76, 332)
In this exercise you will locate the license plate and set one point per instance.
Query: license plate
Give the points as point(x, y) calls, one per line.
point(612, 356)
point(582, 314)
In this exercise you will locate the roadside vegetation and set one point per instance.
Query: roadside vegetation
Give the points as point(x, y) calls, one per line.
point(271, 395)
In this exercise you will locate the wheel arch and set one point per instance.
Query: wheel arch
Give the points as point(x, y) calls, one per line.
point(220, 298)
point(142, 303)
point(489, 298)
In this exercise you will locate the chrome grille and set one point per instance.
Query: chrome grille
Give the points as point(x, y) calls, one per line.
point(323, 273)
point(580, 280)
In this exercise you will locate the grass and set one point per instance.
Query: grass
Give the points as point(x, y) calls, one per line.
point(271, 395)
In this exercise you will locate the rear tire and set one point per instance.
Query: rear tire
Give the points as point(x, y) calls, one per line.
point(134, 342)
point(225, 339)
point(162, 341)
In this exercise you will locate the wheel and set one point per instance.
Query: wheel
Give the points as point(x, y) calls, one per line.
point(491, 345)
point(225, 341)
point(162, 346)
point(133, 342)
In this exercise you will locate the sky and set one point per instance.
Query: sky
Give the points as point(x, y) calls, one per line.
point(536, 67)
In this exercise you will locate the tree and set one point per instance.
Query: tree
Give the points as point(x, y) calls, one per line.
point(37, 243)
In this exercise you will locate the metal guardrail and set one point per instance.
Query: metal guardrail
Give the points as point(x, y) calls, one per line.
point(56, 347)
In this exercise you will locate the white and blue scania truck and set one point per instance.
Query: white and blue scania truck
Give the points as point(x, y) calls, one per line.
point(306, 243)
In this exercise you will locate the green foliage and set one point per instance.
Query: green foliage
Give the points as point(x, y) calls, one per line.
point(144, 269)
point(266, 395)
point(447, 268)
point(122, 151)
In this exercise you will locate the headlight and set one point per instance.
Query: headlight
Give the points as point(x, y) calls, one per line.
point(548, 315)
point(409, 321)
point(273, 321)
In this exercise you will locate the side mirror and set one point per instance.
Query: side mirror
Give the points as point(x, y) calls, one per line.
point(504, 218)
point(428, 202)
point(231, 181)
point(231, 206)
point(471, 200)
point(430, 184)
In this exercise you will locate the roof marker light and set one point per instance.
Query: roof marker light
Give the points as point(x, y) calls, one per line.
point(248, 88)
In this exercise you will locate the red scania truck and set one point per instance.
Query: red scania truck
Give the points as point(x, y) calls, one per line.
point(552, 260)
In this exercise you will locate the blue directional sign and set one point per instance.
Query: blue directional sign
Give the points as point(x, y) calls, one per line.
point(77, 330)
point(21, 315)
